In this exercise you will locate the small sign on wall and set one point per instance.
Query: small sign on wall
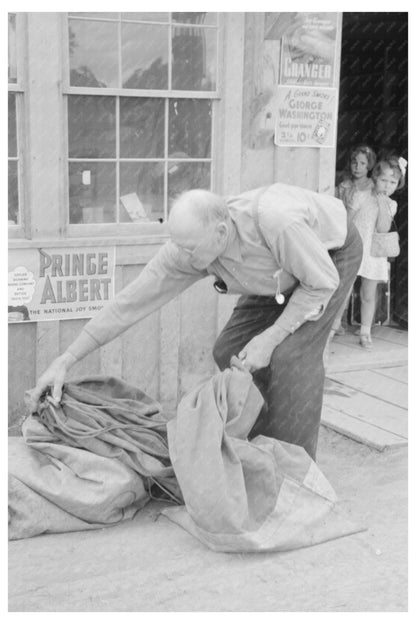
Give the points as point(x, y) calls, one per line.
point(306, 116)
point(57, 284)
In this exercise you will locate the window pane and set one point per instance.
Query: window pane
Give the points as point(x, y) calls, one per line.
point(194, 58)
point(183, 176)
point(12, 48)
point(93, 54)
point(141, 191)
point(195, 18)
point(92, 192)
point(189, 128)
point(142, 125)
point(107, 15)
point(12, 125)
point(91, 126)
point(13, 193)
point(144, 56)
point(146, 17)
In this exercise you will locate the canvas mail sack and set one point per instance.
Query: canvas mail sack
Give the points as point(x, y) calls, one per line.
point(111, 418)
point(241, 495)
point(62, 488)
point(92, 461)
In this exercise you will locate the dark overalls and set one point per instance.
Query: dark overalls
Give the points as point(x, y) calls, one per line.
point(293, 384)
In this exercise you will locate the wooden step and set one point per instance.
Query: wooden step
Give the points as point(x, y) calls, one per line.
point(360, 430)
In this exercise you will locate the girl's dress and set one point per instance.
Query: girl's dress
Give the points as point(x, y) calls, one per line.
point(364, 209)
point(346, 191)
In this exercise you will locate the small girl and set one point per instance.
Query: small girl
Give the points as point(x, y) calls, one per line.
point(373, 211)
point(361, 161)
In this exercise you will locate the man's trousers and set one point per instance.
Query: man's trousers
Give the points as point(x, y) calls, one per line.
point(293, 384)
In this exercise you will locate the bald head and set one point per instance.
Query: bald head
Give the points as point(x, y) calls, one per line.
point(202, 207)
point(199, 224)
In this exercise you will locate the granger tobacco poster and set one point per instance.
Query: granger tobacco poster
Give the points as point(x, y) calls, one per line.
point(308, 49)
point(56, 284)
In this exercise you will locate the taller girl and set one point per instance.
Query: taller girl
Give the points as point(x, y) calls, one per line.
point(355, 186)
point(373, 211)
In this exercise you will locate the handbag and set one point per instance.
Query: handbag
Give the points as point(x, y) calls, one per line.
point(385, 244)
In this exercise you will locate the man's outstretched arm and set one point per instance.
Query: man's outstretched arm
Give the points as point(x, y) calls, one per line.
point(163, 278)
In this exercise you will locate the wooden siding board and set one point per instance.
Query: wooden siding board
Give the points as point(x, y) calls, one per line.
point(111, 354)
point(298, 166)
point(140, 347)
point(90, 365)
point(21, 369)
point(169, 352)
point(47, 344)
point(232, 105)
point(140, 363)
point(45, 140)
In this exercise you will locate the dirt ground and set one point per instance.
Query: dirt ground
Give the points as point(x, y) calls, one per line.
point(149, 564)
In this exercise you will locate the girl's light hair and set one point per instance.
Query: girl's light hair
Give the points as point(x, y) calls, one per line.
point(390, 162)
point(205, 206)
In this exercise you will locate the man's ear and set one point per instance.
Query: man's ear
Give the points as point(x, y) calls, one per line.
point(222, 230)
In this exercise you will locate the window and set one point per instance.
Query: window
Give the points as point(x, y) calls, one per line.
point(14, 106)
point(140, 110)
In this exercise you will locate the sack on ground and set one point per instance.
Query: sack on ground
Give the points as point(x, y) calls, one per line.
point(241, 496)
point(111, 418)
point(63, 488)
point(89, 462)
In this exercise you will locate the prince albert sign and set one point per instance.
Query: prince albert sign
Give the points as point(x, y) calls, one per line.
point(53, 284)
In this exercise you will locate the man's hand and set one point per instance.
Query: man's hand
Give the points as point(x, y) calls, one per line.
point(258, 352)
point(54, 376)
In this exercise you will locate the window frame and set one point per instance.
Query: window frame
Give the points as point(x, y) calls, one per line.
point(22, 228)
point(138, 229)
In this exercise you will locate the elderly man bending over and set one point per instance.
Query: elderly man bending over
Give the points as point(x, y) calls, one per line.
point(292, 256)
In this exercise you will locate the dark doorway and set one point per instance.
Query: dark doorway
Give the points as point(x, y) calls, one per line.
point(373, 110)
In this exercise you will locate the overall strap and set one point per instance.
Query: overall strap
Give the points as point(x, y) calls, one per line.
point(255, 213)
point(280, 298)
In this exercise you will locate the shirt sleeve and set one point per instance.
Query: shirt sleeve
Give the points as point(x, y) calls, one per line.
point(300, 252)
point(168, 274)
